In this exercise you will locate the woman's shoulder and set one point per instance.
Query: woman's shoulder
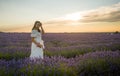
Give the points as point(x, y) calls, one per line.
point(34, 30)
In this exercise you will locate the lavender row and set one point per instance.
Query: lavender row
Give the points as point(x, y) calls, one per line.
point(62, 40)
point(104, 63)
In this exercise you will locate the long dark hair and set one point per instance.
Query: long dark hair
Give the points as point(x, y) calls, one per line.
point(35, 25)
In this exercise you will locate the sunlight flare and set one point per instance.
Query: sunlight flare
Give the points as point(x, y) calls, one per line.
point(73, 17)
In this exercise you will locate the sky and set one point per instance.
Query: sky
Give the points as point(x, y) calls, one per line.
point(60, 15)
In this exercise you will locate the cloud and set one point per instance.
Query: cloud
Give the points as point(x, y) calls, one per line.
point(58, 21)
point(101, 14)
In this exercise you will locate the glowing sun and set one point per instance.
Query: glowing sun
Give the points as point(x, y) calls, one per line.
point(73, 17)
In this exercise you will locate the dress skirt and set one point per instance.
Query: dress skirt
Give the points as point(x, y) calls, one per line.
point(36, 52)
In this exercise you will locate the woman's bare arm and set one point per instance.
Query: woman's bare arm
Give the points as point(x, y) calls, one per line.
point(38, 44)
point(33, 40)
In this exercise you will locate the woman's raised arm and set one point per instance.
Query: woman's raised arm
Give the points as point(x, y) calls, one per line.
point(43, 32)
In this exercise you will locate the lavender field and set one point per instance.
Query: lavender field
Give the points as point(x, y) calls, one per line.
point(66, 54)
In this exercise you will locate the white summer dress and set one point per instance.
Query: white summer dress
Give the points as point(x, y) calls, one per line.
point(37, 52)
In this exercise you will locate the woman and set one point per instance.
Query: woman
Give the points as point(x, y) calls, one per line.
point(37, 42)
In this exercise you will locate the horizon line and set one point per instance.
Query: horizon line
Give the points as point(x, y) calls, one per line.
point(65, 32)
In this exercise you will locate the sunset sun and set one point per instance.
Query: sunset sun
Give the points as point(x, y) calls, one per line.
point(73, 17)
